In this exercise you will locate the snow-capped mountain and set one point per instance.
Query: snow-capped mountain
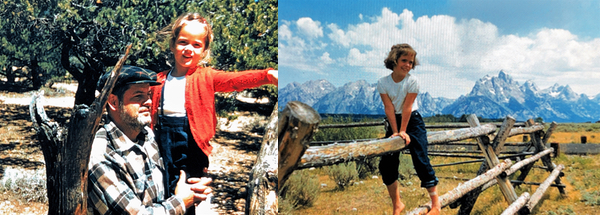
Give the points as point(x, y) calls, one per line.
point(357, 97)
point(491, 97)
point(497, 97)
point(308, 93)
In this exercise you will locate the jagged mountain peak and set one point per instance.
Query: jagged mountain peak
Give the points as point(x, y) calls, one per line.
point(502, 75)
point(499, 88)
point(491, 97)
point(557, 91)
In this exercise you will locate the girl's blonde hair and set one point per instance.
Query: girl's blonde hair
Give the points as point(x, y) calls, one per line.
point(174, 29)
point(397, 51)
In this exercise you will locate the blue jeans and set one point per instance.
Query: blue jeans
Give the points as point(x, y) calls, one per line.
point(179, 151)
point(388, 166)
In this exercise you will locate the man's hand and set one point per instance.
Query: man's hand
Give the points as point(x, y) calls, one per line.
point(200, 188)
point(184, 190)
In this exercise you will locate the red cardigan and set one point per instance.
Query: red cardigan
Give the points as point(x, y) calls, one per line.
point(200, 87)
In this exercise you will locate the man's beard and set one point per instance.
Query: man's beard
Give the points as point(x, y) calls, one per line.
point(138, 122)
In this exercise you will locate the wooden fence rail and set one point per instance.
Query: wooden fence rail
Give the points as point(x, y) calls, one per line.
point(316, 156)
point(296, 152)
point(368, 124)
point(464, 188)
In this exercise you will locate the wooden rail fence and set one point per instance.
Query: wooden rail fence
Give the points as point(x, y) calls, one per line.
point(299, 121)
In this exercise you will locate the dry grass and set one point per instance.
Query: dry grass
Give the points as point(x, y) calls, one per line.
point(370, 196)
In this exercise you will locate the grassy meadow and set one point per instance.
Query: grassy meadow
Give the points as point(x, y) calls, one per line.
point(369, 195)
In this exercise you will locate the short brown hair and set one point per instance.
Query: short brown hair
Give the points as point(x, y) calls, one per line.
point(176, 27)
point(397, 51)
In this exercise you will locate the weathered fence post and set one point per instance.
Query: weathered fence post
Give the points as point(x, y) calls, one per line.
point(262, 186)
point(525, 170)
point(540, 145)
point(556, 148)
point(296, 126)
point(490, 152)
point(67, 150)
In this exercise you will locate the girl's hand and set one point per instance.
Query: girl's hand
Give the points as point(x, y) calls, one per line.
point(273, 76)
point(403, 135)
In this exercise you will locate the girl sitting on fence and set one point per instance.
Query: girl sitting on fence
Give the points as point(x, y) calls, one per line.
point(398, 92)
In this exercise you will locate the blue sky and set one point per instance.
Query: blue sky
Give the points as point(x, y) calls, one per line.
point(457, 42)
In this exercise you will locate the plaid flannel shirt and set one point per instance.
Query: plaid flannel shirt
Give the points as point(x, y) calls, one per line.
point(127, 177)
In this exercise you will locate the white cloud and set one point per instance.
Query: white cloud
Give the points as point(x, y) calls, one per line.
point(458, 51)
point(325, 59)
point(309, 27)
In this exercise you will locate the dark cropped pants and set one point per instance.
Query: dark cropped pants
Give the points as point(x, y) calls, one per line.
point(179, 151)
point(388, 166)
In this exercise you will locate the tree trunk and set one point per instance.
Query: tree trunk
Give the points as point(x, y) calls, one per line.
point(10, 74)
point(67, 150)
point(35, 74)
point(262, 189)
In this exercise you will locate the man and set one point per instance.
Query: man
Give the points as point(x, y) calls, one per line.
point(126, 172)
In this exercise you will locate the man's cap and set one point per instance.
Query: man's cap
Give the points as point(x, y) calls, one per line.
point(130, 75)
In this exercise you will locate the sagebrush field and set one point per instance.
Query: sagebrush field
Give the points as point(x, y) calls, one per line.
point(368, 195)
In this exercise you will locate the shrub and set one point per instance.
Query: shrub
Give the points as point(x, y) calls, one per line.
point(367, 167)
point(332, 134)
point(284, 206)
point(257, 124)
point(568, 210)
point(591, 198)
point(301, 189)
point(343, 174)
point(25, 185)
point(406, 169)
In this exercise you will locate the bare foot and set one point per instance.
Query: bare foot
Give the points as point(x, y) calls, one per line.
point(435, 210)
point(399, 208)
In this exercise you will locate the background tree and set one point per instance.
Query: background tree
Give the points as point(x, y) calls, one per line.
point(86, 37)
point(24, 34)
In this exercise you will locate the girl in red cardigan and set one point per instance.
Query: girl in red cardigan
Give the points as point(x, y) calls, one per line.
point(183, 113)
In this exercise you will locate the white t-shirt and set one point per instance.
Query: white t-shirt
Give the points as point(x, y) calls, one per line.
point(397, 91)
point(174, 96)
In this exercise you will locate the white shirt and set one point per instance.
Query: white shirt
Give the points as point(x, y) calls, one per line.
point(397, 91)
point(174, 96)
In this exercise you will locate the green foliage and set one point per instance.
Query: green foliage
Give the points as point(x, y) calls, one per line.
point(463, 118)
point(446, 118)
point(300, 190)
point(343, 174)
point(245, 34)
point(26, 186)
point(367, 167)
point(591, 198)
point(563, 210)
point(354, 133)
point(577, 127)
point(24, 28)
point(86, 38)
point(225, 103)
point(406, 170)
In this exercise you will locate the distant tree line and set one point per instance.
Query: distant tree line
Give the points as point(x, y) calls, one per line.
point(438, 118)
point(48, 40)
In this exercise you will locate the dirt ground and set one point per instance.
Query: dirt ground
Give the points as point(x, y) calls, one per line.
point(235, 148)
